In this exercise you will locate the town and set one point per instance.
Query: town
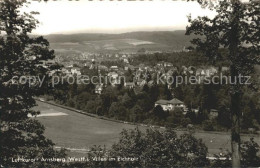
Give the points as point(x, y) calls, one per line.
point(128, 76)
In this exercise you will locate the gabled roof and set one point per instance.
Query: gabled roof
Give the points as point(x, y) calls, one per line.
point(151, 82)
point(165, 102)
point(175, 101)
point(112, 73)
point(114, 67)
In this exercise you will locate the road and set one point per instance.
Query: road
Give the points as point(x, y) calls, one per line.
point(79, 132)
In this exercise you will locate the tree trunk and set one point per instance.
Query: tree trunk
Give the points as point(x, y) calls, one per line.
point(235, 130)
point(235, 88)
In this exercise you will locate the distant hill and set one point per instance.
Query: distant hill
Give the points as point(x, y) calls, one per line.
point(167, 39)
point(164, 37)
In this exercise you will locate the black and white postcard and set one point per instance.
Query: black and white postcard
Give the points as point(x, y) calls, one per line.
point(129, 83)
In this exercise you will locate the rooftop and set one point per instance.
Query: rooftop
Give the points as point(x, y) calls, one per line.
point(165, 102)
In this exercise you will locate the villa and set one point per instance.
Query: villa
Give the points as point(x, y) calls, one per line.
point(170, 104)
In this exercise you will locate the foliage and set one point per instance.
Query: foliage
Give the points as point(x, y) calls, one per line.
point(235, 27)
point(249, 152)
point(178, 59)
point(160, 149)
point(249, 156)
point(21, 55)
point(207, 125)
point(159, 113)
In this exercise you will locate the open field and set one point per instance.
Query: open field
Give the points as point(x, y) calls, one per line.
point(78, 131)
point(114, 45)
point(125, 42)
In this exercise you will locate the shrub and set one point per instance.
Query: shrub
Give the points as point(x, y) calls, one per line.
point(160, 149)
point(207, 125)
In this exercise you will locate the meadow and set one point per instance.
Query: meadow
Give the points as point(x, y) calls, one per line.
point(110, 46)
point(80, 132)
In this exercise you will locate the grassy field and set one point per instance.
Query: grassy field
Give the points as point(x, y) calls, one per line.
point(76, 131)
point(115, 45)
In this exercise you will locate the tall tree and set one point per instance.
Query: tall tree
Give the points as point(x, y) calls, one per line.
point(21, 56)
point(235, 27)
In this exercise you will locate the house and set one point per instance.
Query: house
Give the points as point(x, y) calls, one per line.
point(141, 67)
point(98, 89)
point(224, 69)
point(168, 64)
point(65, 71)
point(160, 64)
point(211, 71)
point(141, 82)
point(113, 78)
point(75, 71)
point(113, 68)
point(184, 70)
point(200, 72)
point(113, 75)
point(203, 72)
point(130, 85)
point(170, 104)
point(103, 67)
point(126, 61)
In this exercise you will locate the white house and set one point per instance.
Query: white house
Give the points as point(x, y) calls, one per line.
point(130, 85)
point(98, 89)
point(126, 61)
point(112, 75)
point(114, 68)
point(75, 71)
point(170, 104)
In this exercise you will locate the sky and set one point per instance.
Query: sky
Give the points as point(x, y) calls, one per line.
point(67, 17)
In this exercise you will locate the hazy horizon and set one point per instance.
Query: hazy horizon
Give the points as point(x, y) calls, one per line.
point(113, 17)
point(111, 33)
